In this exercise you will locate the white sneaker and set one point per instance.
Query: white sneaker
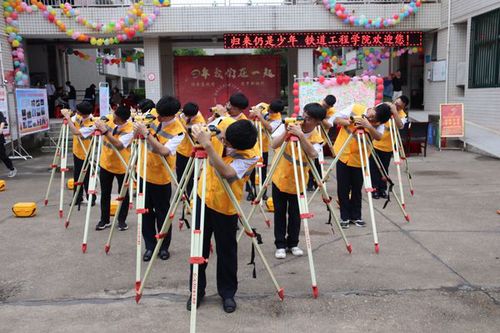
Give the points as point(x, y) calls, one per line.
point(297, 251)
point(12, 173)
point(280, 254)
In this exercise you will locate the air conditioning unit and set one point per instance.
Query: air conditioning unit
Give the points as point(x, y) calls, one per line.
point(461, 77)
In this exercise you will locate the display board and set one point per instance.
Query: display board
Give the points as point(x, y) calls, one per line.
point(5, 110)
point(359, 92)
point(451, 120)
point(32, 111)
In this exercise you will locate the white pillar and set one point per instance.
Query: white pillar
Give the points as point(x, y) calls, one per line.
point(152, 68)
point(305, 62)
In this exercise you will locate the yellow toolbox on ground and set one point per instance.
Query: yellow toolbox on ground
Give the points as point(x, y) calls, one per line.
point(113, 207)
point(270, 205)
point(24, 209)
point(2, 185)
point(71, 184)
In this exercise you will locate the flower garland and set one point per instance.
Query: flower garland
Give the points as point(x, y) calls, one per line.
point(126, 28)
point(104, 59)
point(348, 17)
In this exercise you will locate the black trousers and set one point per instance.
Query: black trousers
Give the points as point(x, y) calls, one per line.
point(157, 201)
point(377, 182)
point(52, 102)
point(265, 158)
point(224, 228)
point(349, 181)
point(282, 202)
point(106, 179)
point(311, 181)
point(181, 162)
point(3, 155)
point(77, 167)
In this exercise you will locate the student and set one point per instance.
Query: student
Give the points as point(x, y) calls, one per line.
point(163, 137)
point(383, 147)
point(284, 188)
point(327, 103)
point(119, 135)
point(234, 156)
point(234, 108)
point(190, 116)
point(349, 173)
point(3, 156)
point(82, 127)
point(270, 118)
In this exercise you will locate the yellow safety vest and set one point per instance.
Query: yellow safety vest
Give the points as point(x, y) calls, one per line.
point(351, 155)
point(77, 147)
point(185, 148)
point(329, 113)
point(385, 144)
point(156, 171)
point(109, 160)
point(216, 198)
point(265, 138)
point(284, 177)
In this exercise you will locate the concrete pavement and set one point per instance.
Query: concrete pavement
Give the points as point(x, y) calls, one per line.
point(441, 272)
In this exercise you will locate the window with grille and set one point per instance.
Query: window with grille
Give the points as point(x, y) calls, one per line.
point(484, 71)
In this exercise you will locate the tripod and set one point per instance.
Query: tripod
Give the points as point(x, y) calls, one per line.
point(407, 165)
point(260, 165)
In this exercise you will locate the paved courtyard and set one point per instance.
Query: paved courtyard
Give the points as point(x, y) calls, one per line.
point(439, 273)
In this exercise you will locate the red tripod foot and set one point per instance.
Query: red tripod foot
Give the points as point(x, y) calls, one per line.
point(106, 248)
point(137, 297)
point(137, 286)
point(281, 293)
point(84, 247)
point(412, 192)
point(60, 214)
point(404, 206)
point(66, 224)
point(268, 222)
point(181, 224)
point(407, 217)
point(349, 248)
point(377, 249)
point(315, 291)
point(46, 202)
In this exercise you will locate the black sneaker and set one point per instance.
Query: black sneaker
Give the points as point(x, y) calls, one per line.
point(250, 196)
point(164, 254)
point(383, 195)
point(376, 195)
point(102, 225)
point(311, 188)
point(344, 224)
point(359, 223)
point(198, 301)
point(229, 305)
point(122, 226)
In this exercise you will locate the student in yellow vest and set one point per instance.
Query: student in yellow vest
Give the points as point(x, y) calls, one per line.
point(327, 103)
point(284, 189)
point(82, 126)
point(145, 105)
point(119, 134)
point(383, 147)
point(270, 119)
point(233, 155)
point(349, 173)
point(163, 137)
point(190, 116)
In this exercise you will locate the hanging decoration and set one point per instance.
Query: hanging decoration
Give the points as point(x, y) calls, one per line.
point(105, 59)
point(136, 21)
point(348, 17)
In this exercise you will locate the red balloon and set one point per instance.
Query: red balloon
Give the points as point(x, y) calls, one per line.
point(296, 85)
point(380, 96)
point(339, 80)
point(380, 80)
point(380, 87)
point(321, 79)
point(296, 101)
point(347, 79)
point(377, 102)
point(295, 92)
point(296, 109)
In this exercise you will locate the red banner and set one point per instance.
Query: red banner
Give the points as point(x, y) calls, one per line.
point(210, 80)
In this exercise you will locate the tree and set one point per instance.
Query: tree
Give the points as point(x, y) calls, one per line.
point(189, 52)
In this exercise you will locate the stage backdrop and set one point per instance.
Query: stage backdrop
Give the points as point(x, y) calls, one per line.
point(210, 80)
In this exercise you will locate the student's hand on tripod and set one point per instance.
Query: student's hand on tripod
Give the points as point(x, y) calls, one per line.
point(201, 135)
point(140, 128)
point(362, 122)
point(99, 124)
point(66, 113)
point(295, 130)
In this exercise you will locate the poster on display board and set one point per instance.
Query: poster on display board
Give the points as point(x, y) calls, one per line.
point(32, 111)
point(5, 111)
point(451, 120)
point(359, 92)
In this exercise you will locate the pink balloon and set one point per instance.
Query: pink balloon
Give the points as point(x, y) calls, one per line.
point(355, 79)
point(373, 78)
point(366, 78)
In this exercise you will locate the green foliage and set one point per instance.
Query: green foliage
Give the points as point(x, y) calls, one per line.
point(140, 93)
point(189, 52)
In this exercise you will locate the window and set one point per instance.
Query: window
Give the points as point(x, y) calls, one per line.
point(484, 71)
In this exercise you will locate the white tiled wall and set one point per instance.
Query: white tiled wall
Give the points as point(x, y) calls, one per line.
point(152, 66)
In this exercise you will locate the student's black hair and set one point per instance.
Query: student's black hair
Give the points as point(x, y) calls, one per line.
point(330, 100)
point(84, 108)
point(168, 106)
point(241, 134)
point(383, 113)
point(276, 106)
point(405, 100)
point(190, 109)
point(146, 105)
point(315, 110)
point(123, 112)
point(239, 100)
